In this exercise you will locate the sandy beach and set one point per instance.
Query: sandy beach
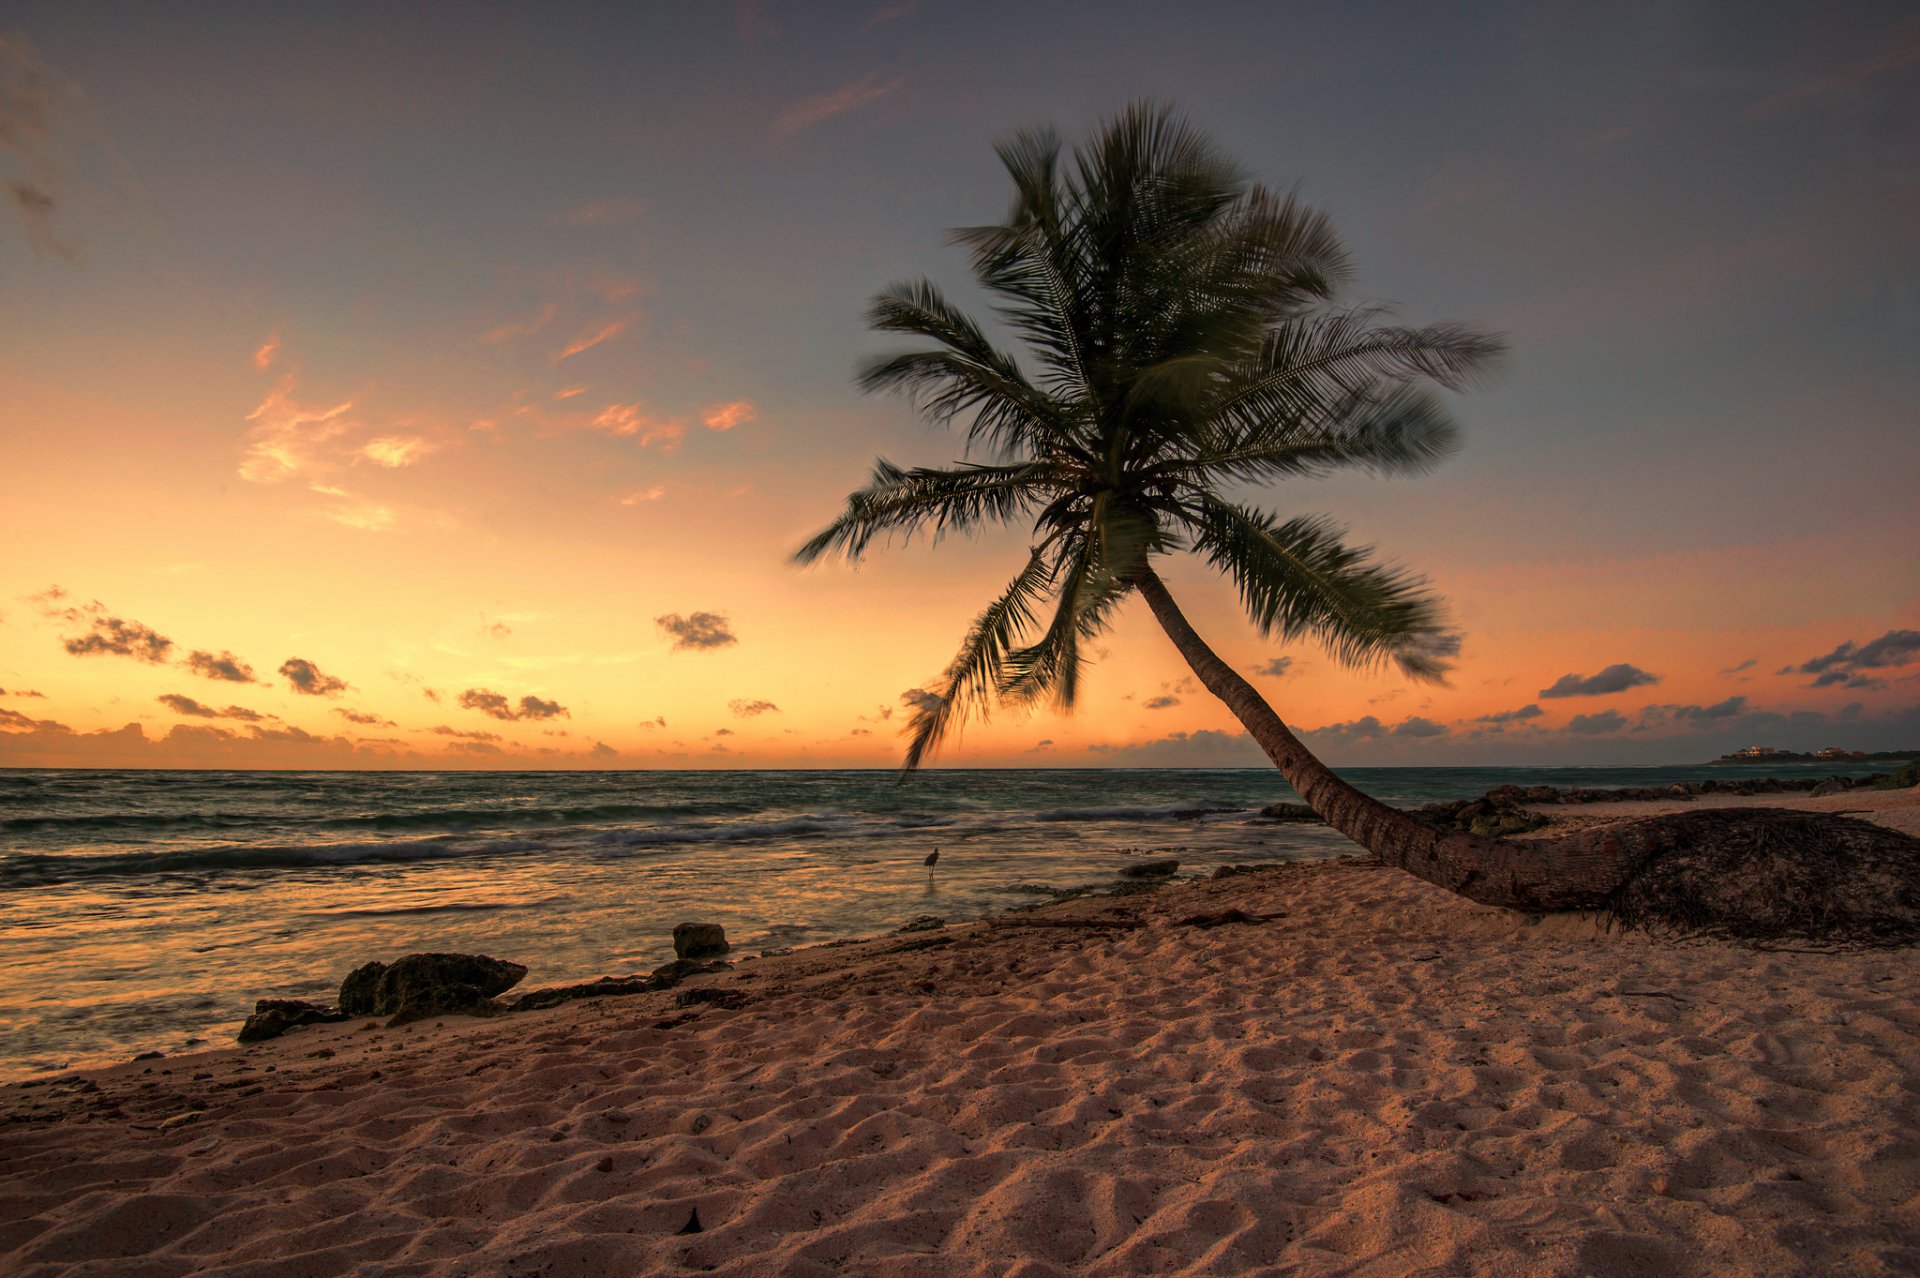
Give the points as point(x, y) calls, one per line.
point(1316, 1069)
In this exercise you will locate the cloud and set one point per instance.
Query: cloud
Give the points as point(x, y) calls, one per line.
point(496, 706)
point(286, 435)
point(821, 107)
point(887, 13)
point(521, 328)
point(1205, 748)
point(45, 124)
point(723, 732)
point(188, 706)
point(1415, 726)
point(1894, 51)
point(112, 635)
point(601, 750)
point(463, 734)
point(395, 451)
point(35, 207)
point(727, 416)
point(226, 667)
point(631, 421)
point(1615, 678)
point(1748, 664)
point(306, 679)
point(591, 336)
point(1160, 703)
point(1365, 728)
point(14, 721)
point(263, 355)
point(700, 630)
point(495, 629)
point(921, 700)
point(1847, 664)
point(1528, 711)
point(1277, 668)
point(658, 721)
point(748, 709)
point(642, 495)
point(1593, 725)
point(1731, 708)
point(22, 692)
point(361, 717)
point(606, 212)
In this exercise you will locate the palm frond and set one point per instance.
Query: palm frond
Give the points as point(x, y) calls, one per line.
point(1299, 578)
point(1398, 430)
point(904, 502)
point(974, 674)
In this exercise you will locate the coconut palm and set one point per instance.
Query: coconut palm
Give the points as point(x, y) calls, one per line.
point(1184, 345)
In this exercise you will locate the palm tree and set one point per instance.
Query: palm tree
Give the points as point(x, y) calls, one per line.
point(1184, 342)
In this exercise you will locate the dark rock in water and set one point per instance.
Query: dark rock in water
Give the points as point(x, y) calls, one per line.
point(1289, 812)
point(361, 989)
point(712, 998)
point(921, 923)
point(422, 985)
point(1035, 889)
point(273, 1017)
point(671, 974)
point(1149, 869)
point(1903, 779)
point(699, 940)
point(1832, 785)
point(605, 987)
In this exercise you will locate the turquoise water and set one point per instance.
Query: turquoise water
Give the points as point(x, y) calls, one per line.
point(147, 910)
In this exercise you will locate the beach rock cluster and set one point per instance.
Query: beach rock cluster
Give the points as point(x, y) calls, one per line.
point(1504, 809)
point(273, 1017)
point(422, 985)
point(699, 940)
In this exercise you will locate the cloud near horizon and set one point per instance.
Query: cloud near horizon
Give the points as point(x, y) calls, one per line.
point(748, 709)
point(306, 679)
point(496, 706)
point(1847, 664)
point(188, 706)
point(1597, 724)
point(1613, 679)
point(700, 630)
point(116, 636)
point(225, 667)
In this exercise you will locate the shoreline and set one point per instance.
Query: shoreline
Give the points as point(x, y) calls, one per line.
point(1323, 1065)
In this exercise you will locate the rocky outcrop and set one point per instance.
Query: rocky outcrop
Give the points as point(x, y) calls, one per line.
point(422, 985)
point(699, 940)
point(921, 923)
point(1289, 812)
point(605, 987)
point(273, 1017)
point(1149, 869)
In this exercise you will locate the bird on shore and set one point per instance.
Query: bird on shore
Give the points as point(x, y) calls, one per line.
point(933, 859)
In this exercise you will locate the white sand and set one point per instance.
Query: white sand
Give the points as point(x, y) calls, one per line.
point(1383, 1081)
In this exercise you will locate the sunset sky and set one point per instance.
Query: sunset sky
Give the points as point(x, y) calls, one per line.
point(449, 387)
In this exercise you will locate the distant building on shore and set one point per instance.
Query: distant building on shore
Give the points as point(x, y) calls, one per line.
point(1837, 752)
point(1758, 752)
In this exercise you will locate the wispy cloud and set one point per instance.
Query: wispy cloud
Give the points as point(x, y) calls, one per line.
point(821, 107)
point(363, 718)
point(748, 709)
point(631, 421)
point(727, 416)
point(590, 337)
point(888, 13)
point(521, 328)
point(640, 496)
point(1597, 724)
point(1899, 49)
point(601, 213)
point(264, 354)
point(395, 451)
point(116, 636)
point(287, 435)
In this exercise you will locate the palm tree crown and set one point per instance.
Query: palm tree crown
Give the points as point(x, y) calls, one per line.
point(1183, 341)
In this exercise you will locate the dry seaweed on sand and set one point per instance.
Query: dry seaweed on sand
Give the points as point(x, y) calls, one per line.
point(1771, 875)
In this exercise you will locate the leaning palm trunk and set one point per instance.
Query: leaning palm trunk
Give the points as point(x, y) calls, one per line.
point(1542, 874)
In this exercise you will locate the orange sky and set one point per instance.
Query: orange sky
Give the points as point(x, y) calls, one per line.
point(417, 464)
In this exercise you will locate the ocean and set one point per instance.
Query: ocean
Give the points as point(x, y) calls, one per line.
point(148, 910)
